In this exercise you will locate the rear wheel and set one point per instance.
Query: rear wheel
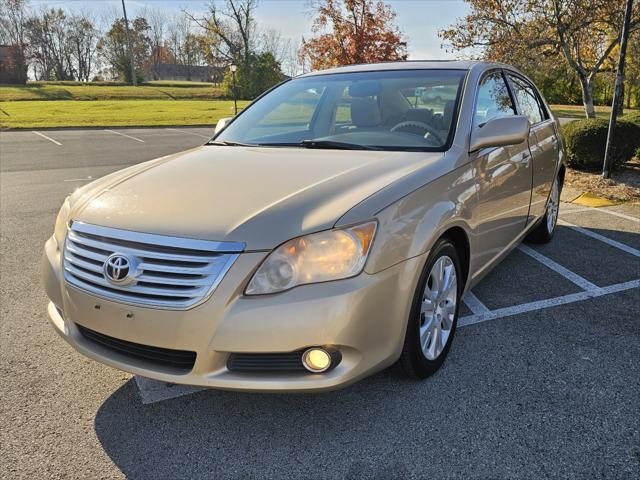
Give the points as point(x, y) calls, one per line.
point(543, 232)
point(434, 315)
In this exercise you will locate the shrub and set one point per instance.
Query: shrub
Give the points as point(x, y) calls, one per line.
point(585, 141)
point(260, 74)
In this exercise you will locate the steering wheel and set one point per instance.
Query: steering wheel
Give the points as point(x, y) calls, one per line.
point(415, 123)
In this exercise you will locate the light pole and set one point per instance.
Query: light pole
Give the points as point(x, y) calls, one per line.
point(233, 69)
point(133, 70)
point(617, 95)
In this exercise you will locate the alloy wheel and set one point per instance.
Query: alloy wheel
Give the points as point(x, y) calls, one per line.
point(553, 207)
point(438, 308)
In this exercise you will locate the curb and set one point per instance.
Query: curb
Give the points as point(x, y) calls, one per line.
point(589, 200)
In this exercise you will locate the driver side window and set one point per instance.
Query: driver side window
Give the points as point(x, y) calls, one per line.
point(493, 100)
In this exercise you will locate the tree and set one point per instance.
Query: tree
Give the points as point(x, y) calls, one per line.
point(362, 31)
point(230, 31)
point(632, 72)
point(113, 47)
point(582, 32)
point(50, 46)
point(83, 39)
point(13, 32)
point(260, 74)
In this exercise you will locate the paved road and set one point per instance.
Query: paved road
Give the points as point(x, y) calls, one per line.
point(542, 381)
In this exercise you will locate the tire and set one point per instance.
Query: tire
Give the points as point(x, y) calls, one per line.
point(544, 231)
point(416, 361)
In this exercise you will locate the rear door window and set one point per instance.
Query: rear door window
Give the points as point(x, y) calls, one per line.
point(527, 99)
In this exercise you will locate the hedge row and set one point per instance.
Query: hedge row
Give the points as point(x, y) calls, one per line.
point(585, 140)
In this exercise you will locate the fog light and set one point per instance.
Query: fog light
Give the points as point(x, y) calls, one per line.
point(316, 360)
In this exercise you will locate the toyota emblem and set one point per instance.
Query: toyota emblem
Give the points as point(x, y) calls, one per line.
point(119, 268)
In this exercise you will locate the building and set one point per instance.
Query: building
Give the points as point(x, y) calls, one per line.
point(12, 66)
point(190, 73)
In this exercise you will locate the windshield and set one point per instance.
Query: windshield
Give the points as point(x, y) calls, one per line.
point(387, 110)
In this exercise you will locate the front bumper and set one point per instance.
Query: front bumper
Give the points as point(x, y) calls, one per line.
point(364, 317)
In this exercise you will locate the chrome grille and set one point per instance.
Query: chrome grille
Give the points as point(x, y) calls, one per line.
point(171, 272)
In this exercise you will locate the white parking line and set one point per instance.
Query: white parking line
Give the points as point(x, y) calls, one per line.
point(124, 135)
point(47, 138)
point(603, 210)
point(86, 179)
point(602, 238)
point(190, 133)
point(547, 303)
point(474, 303)
point(619, 214)
point(556, 267)
point(152, 391)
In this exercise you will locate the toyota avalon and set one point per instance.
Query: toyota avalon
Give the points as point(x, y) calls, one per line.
point(328, 231)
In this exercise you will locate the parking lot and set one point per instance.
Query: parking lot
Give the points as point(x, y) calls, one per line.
point(543, 380)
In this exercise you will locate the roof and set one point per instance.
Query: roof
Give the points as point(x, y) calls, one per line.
point(406, 65)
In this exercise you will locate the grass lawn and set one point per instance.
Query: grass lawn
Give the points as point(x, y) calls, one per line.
point(577, 111)
point(113, 113)
point(75, 91)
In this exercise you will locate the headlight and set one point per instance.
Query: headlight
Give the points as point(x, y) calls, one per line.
point(319, 257)
point(60, 231)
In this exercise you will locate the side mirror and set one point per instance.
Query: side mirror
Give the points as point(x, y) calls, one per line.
point(500, 132)
point(222, 124)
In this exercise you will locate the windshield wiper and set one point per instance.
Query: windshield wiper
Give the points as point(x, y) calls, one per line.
point(227, 143)
point(319, 144)
point(330, 144)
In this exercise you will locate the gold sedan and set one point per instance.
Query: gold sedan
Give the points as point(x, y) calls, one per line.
point(325, 233)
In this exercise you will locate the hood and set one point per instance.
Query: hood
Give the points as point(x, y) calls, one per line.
point(259, 196)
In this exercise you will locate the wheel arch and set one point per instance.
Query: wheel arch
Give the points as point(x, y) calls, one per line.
point(460, 240)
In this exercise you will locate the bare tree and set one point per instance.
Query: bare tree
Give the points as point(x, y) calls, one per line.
point(50, 48)
point(83, 38)
point(230, 30)
point(13, 32)
point(157, 20)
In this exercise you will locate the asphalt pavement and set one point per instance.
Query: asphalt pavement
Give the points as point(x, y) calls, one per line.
point(543, 380)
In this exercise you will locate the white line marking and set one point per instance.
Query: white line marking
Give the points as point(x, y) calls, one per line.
point(86, 179)
point(575, 210)
point(556, 267)
point(618, 214)
point(603, 210)
point(128, 136)
point(190, 133)
point(47, 138)
point(474, 303)
point(152, 391)
point(597, 236)
point(551, 302)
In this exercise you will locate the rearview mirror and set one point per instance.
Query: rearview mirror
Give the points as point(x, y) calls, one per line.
point(500, 132)
point(222, 124)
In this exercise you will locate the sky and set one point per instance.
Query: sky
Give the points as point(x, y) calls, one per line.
point(419, 20)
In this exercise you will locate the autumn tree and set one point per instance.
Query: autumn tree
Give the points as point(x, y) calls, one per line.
point(352, 31)
point(113, 47)
point(582, 33)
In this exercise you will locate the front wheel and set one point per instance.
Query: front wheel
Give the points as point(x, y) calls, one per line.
point(432, 324)
point(543, 232)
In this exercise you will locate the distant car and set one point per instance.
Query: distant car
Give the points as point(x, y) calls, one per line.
point(328, 231)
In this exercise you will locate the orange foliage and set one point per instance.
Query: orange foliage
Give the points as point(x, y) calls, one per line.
point(363, 31)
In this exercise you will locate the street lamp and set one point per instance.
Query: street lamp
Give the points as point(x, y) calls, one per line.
point(233, 69)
